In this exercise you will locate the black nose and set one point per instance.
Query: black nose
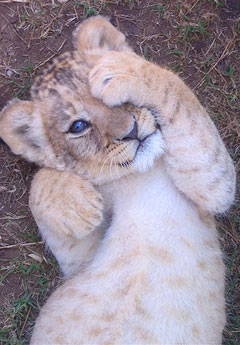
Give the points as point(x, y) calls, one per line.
point(133, 134)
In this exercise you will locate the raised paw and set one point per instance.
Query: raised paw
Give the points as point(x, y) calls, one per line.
point(65, 203)
point(116, 79)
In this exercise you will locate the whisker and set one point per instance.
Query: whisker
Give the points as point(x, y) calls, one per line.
point(111, 173)
point(116, 167)
point(106, 158)
point(125, 164)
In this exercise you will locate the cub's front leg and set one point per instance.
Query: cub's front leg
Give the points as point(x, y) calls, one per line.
point(67, 210)
point(196, 158)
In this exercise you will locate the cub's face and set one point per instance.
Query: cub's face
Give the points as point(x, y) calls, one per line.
point(64, 127)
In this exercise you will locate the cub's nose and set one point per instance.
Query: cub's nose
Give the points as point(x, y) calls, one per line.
point(133, 134)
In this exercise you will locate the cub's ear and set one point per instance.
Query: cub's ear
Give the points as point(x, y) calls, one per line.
point(17, 132)
point(97, 35)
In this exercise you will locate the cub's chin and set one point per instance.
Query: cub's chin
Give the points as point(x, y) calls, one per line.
point(148, 151)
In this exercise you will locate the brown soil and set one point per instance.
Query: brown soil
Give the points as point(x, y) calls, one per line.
point(197, 39)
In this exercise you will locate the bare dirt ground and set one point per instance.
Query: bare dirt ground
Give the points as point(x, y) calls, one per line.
point(197, 39)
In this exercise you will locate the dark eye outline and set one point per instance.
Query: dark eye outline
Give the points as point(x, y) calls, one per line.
point(84, 125)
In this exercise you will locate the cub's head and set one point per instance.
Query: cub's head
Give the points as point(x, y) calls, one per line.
point(66, 128)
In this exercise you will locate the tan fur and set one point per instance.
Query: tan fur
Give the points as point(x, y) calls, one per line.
point(37, 130)
point(156, 278)
point(195, 151)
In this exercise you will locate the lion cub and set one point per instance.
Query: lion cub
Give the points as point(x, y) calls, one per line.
point(151, 178)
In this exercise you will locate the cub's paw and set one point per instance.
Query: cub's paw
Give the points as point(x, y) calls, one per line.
point(65, 203)
point(116, 79)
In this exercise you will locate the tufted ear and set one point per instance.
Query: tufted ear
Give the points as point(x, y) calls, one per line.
point(97, 36)
point(16, 130)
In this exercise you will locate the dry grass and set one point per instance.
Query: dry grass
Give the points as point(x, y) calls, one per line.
point(197, 39)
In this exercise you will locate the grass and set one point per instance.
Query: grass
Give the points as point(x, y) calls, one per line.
point(160, 9)
point(197, 39)
point(35, 282)
point(87, 9)
point(193, 31)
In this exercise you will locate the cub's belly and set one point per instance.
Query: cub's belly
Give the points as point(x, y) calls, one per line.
point(180, 306)
point(175, 298)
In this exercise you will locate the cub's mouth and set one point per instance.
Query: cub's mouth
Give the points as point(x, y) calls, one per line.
point(148, 149)
point(135, 151)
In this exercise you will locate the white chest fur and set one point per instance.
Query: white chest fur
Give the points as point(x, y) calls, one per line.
point(157, 278)
point(172, 263)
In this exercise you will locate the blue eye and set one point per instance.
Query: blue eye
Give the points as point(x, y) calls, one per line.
point(78, 126)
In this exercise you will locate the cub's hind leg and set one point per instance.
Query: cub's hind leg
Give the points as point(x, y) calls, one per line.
point(67, 210)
